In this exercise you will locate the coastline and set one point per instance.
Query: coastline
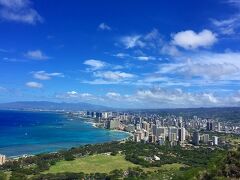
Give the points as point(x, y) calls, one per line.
point(84, 120)
point(112, 130)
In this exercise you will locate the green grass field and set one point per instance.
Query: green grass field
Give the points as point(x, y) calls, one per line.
point(90, 164)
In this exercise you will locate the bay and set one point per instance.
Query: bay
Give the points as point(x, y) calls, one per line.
point(39, 132)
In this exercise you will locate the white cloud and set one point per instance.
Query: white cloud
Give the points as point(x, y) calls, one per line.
point(113, 95)
point(42, 75)
point(141, 58)
point(209, 71)
point(231, 24)
point(113, 75)
point(153, 39)
point(36, 55)
point(145, 58)
point(100, 82)
point(104, 26)
point(157, 98)
point(153, 35)
point(214, 68)
point(150, 40)
point(132, 41)
point(121, 55)
point(170, 50)
point(19, 11)
point(192, 40)
point(74, 95)
point(34, 85)
point(95, 64)
point(227, 26)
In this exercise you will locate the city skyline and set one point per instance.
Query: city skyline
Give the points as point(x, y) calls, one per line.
point(141, 54)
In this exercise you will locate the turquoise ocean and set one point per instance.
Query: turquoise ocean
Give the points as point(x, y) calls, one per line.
point(24, 132)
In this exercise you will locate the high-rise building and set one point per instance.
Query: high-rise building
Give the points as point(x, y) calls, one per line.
point(137, 137)
point(145, 126)
point(113, 124)
point(162, 132)
point(205, 138)
point(218, 126)
point(209, 126)
point(196, 137)
point(130, 128)
point(158, 123)
point(2, 159)
point(138, 126)
point(182, 134)
point(88, 113)
point(93, 114)
point(171, 131)
point(104, 115)
point(154, 130)
point(152, 139)
point(98, 115)
point(215, 140)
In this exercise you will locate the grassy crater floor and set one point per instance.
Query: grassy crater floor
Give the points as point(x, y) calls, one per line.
point(102, 163)
point(90, 164)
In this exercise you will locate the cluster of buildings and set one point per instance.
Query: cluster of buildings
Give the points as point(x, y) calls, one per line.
point(198, 139)
point(153, 128)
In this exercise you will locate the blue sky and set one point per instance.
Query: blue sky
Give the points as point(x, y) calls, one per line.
point(136, 53)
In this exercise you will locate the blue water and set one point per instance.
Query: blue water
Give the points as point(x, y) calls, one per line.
point(38, 132)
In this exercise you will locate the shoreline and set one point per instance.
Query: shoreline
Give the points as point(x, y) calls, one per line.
point(84, 120)
point(112, 130)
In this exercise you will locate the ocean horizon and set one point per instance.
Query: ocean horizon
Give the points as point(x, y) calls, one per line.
point(28, 133)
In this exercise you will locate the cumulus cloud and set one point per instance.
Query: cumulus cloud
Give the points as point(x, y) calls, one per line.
point(19, 11)
point(36, 55)
point(175, 98)
point(34, 85)
point(95, 64)
point(42, 75)
point(192, 40)
point(104, 26)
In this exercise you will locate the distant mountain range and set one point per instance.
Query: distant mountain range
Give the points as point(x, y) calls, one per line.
point(45, 105)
